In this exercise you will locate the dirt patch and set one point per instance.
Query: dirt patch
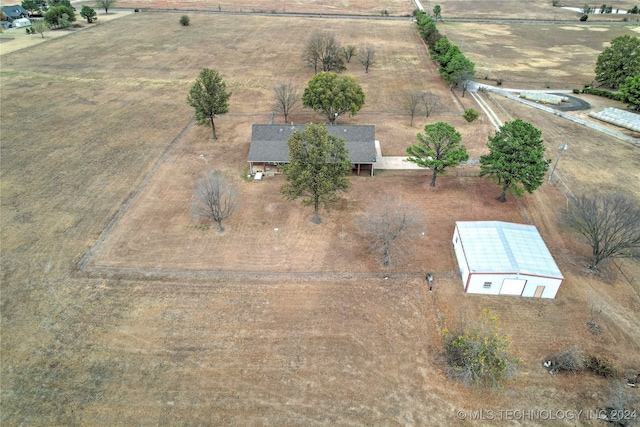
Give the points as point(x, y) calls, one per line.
point(152, 236)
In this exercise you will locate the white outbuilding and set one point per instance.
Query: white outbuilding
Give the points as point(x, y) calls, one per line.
point(502, 258)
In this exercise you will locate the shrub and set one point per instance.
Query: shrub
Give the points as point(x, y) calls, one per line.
point(576, 91)
point(499, 82)
point(600, 365)
point(605, 93)
point(184, 20)
point(571, 360)
point(136, 10)
point(470, 115)
point(584, 17)
point(480, 354)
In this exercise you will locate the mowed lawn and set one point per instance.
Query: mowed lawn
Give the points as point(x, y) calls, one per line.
point(84, 119)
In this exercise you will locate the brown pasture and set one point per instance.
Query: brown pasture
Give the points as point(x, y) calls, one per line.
point(173, 324)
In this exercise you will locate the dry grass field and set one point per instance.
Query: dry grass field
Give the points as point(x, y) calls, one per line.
point(173, 324)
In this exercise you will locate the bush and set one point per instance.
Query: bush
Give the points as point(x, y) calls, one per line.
point(470, 115)
point(499, 82)
point(605, 93)
point(576, 91)
point(584, 17)
point(480, 354)
point(600, 365)
point(184, 20)
point(571, 360)
point(136, 10)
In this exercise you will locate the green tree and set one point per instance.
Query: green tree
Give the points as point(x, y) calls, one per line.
point(441, 48)
point(53, 3)
point(459, 70)
point(88, 13)
point(437, 12)
point(630, 91)
point(480, 354)
point(331, 95)
point(438, 149)
point(209, 97)
point(184, 21)
point(60, 16)
point(619, 61)
point(31, 6)
point(40, 26)
point(105, 4)
point(317, 169)
point(516, 158)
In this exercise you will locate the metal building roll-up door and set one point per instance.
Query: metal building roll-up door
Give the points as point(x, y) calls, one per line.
point(512, 287)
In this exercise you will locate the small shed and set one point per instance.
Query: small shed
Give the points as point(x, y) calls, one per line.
point(269, 149)
point(502, 258)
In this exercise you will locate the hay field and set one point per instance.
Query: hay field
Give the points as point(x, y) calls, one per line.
point(84, 119)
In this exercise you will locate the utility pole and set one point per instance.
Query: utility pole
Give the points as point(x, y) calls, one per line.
point(560, 151)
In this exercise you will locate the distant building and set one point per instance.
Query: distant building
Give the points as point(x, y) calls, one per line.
point(501, 258)
point(15, 12)
point(269, 149)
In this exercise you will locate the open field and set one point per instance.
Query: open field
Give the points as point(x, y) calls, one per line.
point(86, 119)
point(534, 56)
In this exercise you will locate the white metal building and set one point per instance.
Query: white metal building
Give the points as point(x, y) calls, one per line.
point(502, 258)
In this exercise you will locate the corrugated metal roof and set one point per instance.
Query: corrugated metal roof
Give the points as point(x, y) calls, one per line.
point(269, 142)
point(495, 246)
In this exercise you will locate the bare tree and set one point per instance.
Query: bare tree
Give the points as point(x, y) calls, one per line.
point(463, 79)
point(323, 50)
point(609, 222)
point(215, 198)
point(286, 98)
point(349, 52)
point(595, 311)
point(412, 101)
point(621, 407)
point(387, 226)
point(367, 57)
point(430, 102)
point(105, 4)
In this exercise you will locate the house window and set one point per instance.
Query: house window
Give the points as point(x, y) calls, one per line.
point(486, 285)
point(456, 239)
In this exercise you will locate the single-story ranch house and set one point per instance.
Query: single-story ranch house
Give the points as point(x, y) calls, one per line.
point(15, 12)
point(501, 258)
point(269, 149)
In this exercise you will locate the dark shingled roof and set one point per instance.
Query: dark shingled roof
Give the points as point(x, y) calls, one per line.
point(15, 11)
point(269, 142)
